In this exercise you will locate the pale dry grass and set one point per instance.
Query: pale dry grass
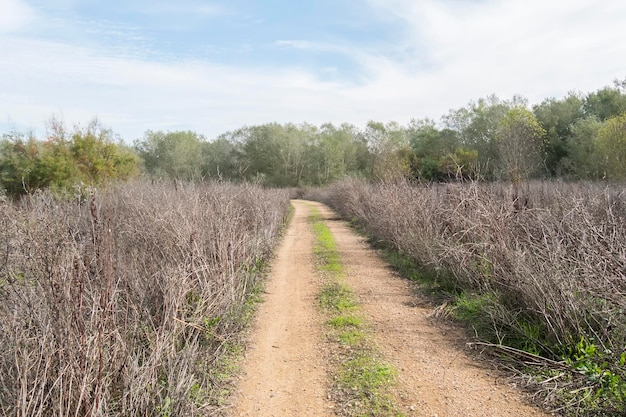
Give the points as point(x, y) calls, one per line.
point(551, 257)
point(123, 304)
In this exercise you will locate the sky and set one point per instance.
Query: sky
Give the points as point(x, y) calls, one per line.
point(213, 66)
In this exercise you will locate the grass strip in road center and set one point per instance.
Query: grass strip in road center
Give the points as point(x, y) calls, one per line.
point(362, 381)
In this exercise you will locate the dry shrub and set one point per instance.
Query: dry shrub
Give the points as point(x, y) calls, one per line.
point(122, 304)
point(553, 253)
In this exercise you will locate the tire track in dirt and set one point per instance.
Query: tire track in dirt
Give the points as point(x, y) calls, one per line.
point(435, 376)
point(284, 370)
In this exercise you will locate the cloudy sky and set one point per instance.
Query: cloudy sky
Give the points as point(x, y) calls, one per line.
point(213, 66)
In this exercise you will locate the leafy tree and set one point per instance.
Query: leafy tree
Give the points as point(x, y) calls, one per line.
point(98, 158)
point(261, 154)
point(20, 166)
point(459, 165)
point(434, 150)
point(557, 117)
point(390, 150)
point(478, 126)
point(175, 155)
point(221, 159)
point(582, 161)
point(61, 161)
point(336, 152)
point(293, 142)
point(611, 148)
point(607, 102)
point(520, 143)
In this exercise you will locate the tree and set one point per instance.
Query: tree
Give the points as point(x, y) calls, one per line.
point(607, 102)
point(434, 150)
point(477, 127)
point(520, 145)
point(87, 156)
point(390, 150)
point(176, 155)
point(581, 161)
point(611, 148)
point(336, 152)
point(221, 159)
point(98, 158)
point(20, 166)
point(557, 117)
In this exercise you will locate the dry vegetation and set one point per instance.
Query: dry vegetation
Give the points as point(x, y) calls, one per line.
point(538, 269)
point(128, 301)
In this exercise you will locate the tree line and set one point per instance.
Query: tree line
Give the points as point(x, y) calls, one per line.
point(577, 137)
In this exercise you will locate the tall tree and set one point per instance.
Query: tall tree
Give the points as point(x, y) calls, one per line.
point(477, 126)
point(557, 117)
point(582, 161)
point(175, 155)
point(607, 102)
point(611, 148)
point(520, 145)
point(390, 150)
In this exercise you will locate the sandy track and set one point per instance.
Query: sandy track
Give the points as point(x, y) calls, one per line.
point(284, 373)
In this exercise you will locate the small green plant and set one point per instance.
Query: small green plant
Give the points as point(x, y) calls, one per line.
point(604, 384)
point(363, 380)
point(345, 321)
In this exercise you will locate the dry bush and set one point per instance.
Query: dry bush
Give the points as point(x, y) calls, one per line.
point(552, 254)
point(122, 304)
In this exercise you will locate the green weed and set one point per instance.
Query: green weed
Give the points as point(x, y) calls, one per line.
point(362, 380)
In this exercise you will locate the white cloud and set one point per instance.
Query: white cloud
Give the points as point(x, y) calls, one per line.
point(452, 52)
point(534, 47)
point(14, 15)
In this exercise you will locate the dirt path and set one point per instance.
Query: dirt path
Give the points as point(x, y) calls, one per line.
point(285, 375)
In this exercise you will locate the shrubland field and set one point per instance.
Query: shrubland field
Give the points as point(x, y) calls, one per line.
point(128, 301)
point(538, 271)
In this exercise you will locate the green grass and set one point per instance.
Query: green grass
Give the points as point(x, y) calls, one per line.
point(345, 321)
point(362, 381)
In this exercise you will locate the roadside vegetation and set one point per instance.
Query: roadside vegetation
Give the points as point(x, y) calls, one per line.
point(537, 270)
point(576, 137)
point(129, 301)
point(122, 265)
point(362, 380)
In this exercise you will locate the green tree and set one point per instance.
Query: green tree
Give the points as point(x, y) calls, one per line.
point(261, 154)
point(88, 156)
point(520, 140)
point(557, 117)
point(221, 159)
point(478, 126)
point(607, 102)
point(98, 158)
point(582, 161)
point(334, 153)
point(433, 149)
point(20, 164)
point(390, 150)
point(611, 148)
point(175, 155)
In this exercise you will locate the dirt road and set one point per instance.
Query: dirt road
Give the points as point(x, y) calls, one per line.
point(284, 372)
point(285, 369)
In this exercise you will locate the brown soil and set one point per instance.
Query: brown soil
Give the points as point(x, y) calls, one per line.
point(284, 372)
